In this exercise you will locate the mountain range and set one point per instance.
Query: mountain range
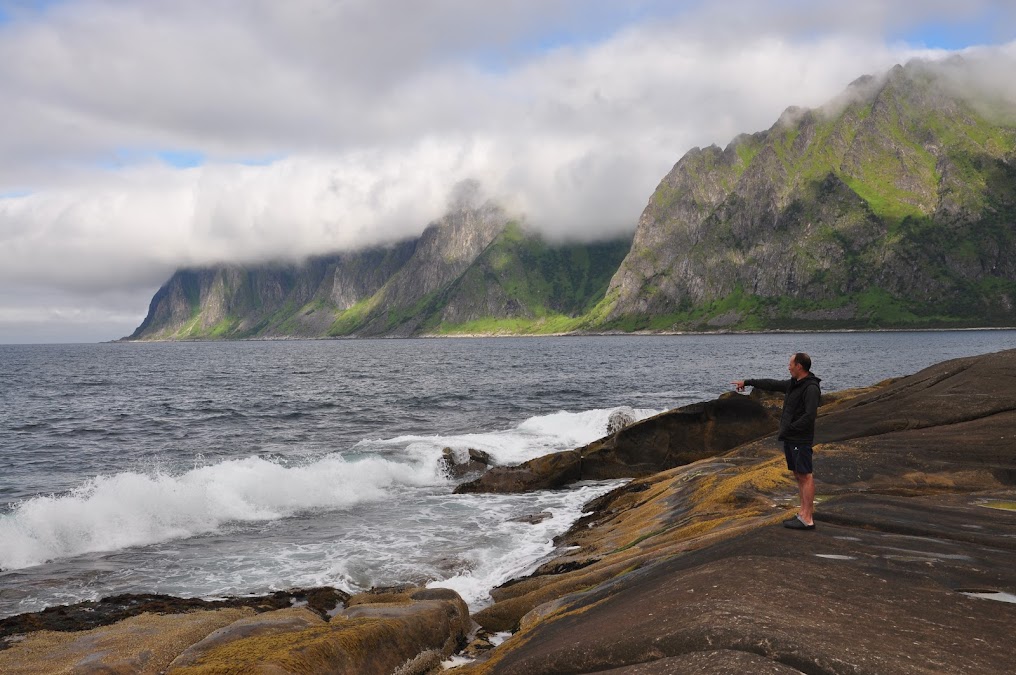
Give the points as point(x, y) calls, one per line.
point(893, 206)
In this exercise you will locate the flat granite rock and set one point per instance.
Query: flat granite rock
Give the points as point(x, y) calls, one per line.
point(409, 629)
point(835, 600)
point(95, 613)
point(280, 622)
point(712, 662)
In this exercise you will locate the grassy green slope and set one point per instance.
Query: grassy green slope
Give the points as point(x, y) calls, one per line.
point(524, 285)
point(933, 178)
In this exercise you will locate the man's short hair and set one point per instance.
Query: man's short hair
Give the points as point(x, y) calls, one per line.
point(803, 360)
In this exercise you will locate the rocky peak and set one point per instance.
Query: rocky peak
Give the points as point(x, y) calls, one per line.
point(815, 207)
point(444, 251)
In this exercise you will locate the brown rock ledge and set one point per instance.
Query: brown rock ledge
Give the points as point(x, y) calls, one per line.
point(406, 629)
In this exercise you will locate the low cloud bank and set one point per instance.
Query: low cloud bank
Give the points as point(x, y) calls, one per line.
point(370, 143)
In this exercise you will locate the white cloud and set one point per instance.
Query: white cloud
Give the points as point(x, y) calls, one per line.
point(375, 110)
point(29, 313)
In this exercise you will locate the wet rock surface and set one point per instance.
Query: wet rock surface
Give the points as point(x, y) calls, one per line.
point(460, 463)
point(619, 419)
point(533, 518)
point(93, 614)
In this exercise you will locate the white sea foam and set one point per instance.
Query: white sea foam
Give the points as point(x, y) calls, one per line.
point(134, 509)
point(533, 437)
point(139, 508)
point(523, 546)
point(469, 543)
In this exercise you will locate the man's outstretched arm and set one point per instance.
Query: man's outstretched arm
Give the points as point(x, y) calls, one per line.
point(768, 385)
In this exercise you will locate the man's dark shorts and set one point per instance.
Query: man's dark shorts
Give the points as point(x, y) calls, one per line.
point(798, 457)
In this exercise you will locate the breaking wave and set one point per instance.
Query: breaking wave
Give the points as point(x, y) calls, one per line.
point(139, 508)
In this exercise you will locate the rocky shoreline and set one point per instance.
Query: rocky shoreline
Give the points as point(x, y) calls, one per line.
point(684, 569)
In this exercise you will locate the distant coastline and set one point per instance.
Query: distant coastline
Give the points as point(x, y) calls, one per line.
point(435, 336)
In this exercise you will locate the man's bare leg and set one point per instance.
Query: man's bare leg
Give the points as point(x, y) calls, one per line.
point(806, 490)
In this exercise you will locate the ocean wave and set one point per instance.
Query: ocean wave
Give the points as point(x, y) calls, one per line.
point(129, 509)
point(139, 508)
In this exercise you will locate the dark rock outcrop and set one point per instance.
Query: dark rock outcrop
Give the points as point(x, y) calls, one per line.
point(662, 442)
point(533, 518)
point(619, 419)
point(462, 463)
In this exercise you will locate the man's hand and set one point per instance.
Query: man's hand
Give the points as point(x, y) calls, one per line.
point(738, 385)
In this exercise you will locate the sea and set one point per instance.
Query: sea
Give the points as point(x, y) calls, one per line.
point(240, 468)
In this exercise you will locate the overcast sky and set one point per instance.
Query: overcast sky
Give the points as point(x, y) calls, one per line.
point(139, 137)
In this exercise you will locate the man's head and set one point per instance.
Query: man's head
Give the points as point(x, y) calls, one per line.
point(799, 366)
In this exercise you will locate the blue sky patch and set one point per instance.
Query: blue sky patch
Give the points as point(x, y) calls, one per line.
point(989, 27)
point(595, 24)
point(178, 159)
point(181, 159)
point(15, 194)
point(264, 160)
point(9, 9)
point(124, 157)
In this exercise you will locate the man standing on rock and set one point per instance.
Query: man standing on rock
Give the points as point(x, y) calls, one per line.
point(797, 430)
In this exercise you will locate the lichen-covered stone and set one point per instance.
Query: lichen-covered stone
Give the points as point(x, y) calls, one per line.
point(139, 644)
point(376, 633)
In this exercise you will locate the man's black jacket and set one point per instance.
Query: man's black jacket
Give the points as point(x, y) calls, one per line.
point(800, 406)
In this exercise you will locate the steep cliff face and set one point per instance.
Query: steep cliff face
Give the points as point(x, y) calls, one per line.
point(444, 251)
point(469, 269)
point(893, 206)
point(234, 301)
point(522, 276)
point(360, 275)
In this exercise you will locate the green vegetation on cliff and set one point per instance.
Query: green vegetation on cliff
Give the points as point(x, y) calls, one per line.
point(518, 283)
point(523, 284)
point(892, 207)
